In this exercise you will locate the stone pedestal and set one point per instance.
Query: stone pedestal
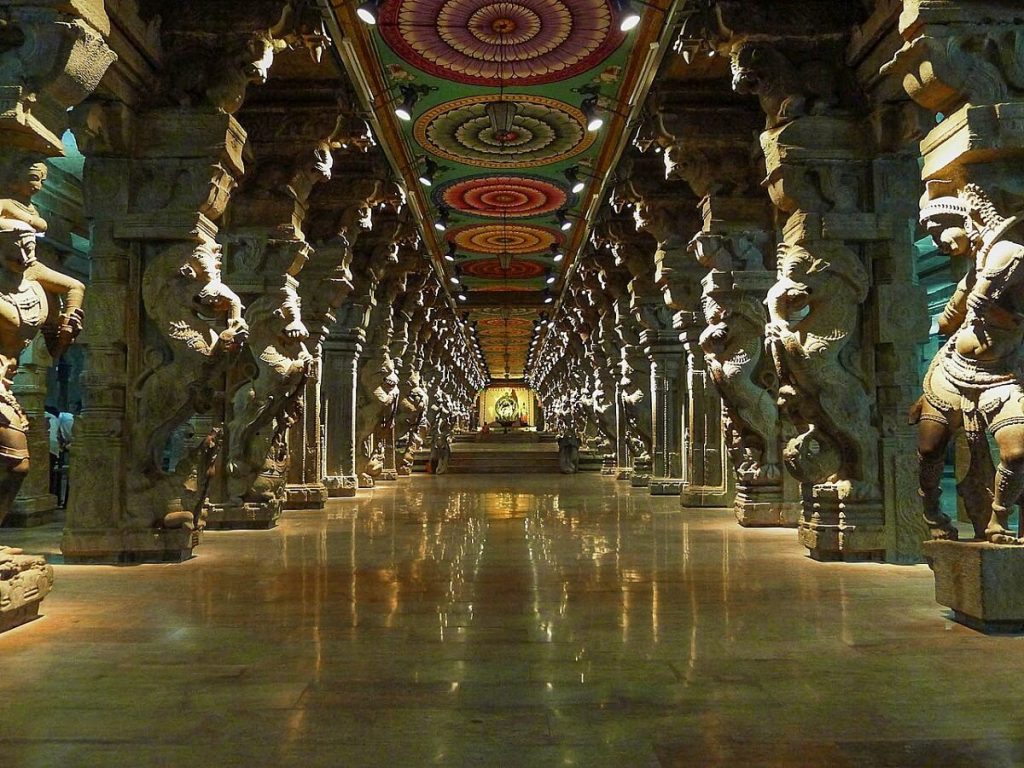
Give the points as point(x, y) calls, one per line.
point(24, 581)
point(666, 355)
point(246, 517)
point(127, 546)
point(640, 477)
point(706, 481)
point(341, 361)
point(761, 507)
point(979, 582)
point(836, 528)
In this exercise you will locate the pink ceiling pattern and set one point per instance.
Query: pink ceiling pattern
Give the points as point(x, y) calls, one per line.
point(487, 43)
point(503, 196)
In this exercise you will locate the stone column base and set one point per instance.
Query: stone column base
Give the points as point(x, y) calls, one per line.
point(305, 496)
point(665, 486)
point(389, 475)
point(838, 529)
point(31, 511)
point(249, 516)
point(700, 496)
point(341, 486)
point(608, 467)
point(23, 591)
point(763, 507)
point(624, 473)
point(157, 545)
point(980, 582)
point(404, 472)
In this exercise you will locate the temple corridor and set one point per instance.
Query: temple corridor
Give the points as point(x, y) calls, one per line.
point(502, 621)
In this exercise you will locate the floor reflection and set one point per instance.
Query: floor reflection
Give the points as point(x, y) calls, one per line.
point(483, 621)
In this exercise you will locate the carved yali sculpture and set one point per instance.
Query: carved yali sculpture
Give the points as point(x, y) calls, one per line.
point(813, 311)
point(199, 329)
point(976, 380)
point(29, 296)
point(733, 342)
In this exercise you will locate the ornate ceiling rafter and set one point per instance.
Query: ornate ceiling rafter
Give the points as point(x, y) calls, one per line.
point(496, 92)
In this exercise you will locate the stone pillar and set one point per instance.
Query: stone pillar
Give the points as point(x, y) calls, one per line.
point(666, 387)
point(50, 61)
point(305, 488)
point(341, 367)
point(157, 178)
point(706, 479)
point(34, 505)
point(961, 62)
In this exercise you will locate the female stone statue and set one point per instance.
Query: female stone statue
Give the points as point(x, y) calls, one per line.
point(28, 304)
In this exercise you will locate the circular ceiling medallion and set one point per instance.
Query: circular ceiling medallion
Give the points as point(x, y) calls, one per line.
point(496, 196)
point(515, 239)
point(483, 42)
point(490, 269)
point(498, 325)
point(543, 131)
point(500, 312)
point(496, 288)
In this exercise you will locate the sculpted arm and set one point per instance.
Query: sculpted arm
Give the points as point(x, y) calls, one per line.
point(955, 311)
point(59, 284)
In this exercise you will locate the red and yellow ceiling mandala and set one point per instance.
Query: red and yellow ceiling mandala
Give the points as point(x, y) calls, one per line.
point(491, 324)
point(491, 269)
point(502, 196)
point(515, 239)
point(488, 43)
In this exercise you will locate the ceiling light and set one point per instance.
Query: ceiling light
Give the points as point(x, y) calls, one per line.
point(551, 278)
point(502, 114)
point(461, 297)
point(557, 256)
point(591, 112)
point(441, 222)
point(429, 169)
point(548, 298)
point(562, 217)
point(629, 17)
point(450, 256)
point(572, 175)
point(367, 12)
point(410, 96)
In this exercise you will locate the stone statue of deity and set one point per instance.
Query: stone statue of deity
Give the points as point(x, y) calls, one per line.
point(976, 380)
point(33, 299)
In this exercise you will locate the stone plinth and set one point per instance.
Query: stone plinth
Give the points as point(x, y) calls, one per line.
point(665, 486)
point(836, 528)
point(24, 581)
point(980, 582)
point(341, 486)
point(231, 517)
point(128, 546)
point(305, 496)
point(758, 507)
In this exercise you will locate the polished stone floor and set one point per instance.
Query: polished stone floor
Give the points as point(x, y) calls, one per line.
point(500, 621)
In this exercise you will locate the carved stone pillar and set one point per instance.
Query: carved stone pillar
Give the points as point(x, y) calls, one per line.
point(341, 369)
point(50, 61)
point(34, 505)
point(962, 63)
point(666, 388)
point(161, 163)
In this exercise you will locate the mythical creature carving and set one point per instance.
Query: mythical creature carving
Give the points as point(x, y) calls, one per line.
point(271, 402)
point(786, 90)
point(813, 319)
point(30, 297)
point(975, 380)
point(733, 342)
point(200, 330)
point(412, 419)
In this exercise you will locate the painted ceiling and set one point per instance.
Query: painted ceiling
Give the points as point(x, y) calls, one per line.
point(503, 188)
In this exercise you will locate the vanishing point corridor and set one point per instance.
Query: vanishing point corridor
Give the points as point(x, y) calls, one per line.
point(495, 620)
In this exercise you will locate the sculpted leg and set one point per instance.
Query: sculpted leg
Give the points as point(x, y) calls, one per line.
point(933, 435)
point(1009, 484)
